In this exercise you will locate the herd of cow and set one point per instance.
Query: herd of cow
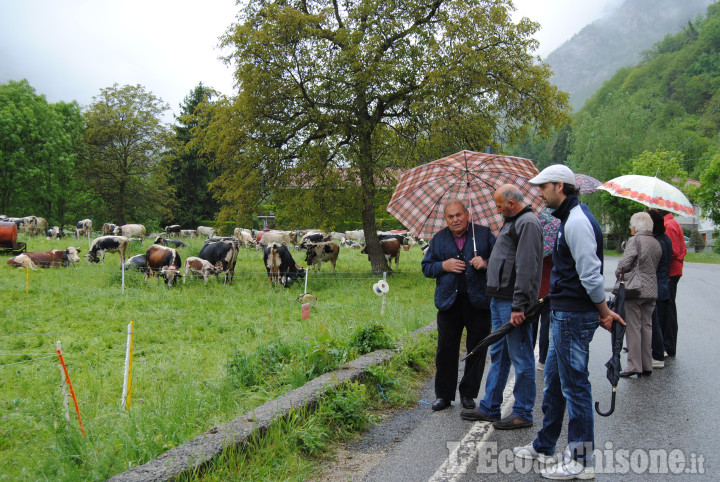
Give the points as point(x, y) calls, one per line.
point(217, 256)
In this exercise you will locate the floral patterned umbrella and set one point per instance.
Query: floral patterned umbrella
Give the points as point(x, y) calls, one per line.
point(421, 192)
point(586, 184)
point(651, 192)
point(551, 226)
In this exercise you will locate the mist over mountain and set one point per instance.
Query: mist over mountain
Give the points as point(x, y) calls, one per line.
point(594, 54)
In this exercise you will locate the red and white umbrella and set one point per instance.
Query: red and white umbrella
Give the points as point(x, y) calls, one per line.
point(473, 177)
point(651, 192)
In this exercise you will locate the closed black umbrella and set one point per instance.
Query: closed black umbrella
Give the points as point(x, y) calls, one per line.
point(617, 304)
point(503, 330)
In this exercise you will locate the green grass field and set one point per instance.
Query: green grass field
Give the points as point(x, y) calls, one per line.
point(202, 354)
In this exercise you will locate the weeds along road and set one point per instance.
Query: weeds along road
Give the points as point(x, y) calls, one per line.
point(664, 427)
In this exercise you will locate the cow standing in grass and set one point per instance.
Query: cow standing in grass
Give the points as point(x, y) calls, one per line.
point(163, 261)
point(107, 244)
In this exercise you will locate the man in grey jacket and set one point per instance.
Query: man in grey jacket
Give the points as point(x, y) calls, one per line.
point(513, 283)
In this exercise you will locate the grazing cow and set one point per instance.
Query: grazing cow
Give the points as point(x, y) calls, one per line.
point(244, 237)
point(47, 259)
point(322, 252)
point(173, 230)
point(107, 244)
point(391, 249)
point(22, 261)
point(202, 267)
point(188, 233)
point(83, 228)
point(40, 226)
point(108, 228)
point(55, 233)
point(205, 231)
point(131, 231)
point(163, 261)
point(217, 239)
point(280, 265)
point(314, 237)
point(279, 237)
point(223, 252)
point(170, 242)
point(137, 262)
point(399, 237)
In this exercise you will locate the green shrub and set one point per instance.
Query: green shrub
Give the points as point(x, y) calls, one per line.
point(371, 338)
point(697, 241)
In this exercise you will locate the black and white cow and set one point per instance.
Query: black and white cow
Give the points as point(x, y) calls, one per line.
point(318, 253)
point(173, 230)
point(107, 244)
point(137, 262)
point(163, 261)
point(55, 232)
point(223, 252)
point(83, 228)
point(170, 242)
point(108, 228)
point(314, 237)
point(280, 265)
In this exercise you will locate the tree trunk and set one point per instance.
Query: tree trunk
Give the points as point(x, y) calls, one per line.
point(372, 243)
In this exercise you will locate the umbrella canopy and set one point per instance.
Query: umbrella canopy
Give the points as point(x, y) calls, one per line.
point(586, 184)
point(617, 304)
point(651, 192)
point(473, 177)
point(551, 226)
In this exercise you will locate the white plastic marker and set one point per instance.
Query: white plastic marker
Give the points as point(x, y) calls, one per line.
point(127, 382)
point(27, 278)
point(381, 288)
point(122, 268)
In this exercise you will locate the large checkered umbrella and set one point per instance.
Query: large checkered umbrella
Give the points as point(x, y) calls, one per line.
point(472, 177)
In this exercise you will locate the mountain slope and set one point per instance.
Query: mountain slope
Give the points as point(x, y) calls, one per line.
point(594, 54)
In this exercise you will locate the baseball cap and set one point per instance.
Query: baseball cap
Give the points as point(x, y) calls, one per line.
point(554, 173)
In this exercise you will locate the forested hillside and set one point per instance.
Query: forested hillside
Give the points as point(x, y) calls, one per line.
point(659, 117)
point(594, 54)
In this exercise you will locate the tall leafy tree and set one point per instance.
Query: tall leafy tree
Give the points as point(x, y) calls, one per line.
point(125, 144)
point(38, 152)
point(332, 94)
point(708, 194)
point(190, 175)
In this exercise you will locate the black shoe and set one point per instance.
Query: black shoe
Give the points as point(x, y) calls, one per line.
point(467, 402)
point(441, 404)
point(647, 372)
point(476, 416)
point(511, 422)
point(629, 374)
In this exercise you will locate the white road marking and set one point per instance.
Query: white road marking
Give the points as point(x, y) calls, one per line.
point(465, 452)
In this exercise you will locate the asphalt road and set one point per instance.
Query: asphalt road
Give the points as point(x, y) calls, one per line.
point(665, 427)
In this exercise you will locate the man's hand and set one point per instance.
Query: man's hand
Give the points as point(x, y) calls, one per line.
point(607, 316)
point(478, 262)
point(517, 318)
point(453, 265)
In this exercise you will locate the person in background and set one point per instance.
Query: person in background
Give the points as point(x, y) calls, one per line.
point(663, 282)
point(460, 279)
point(675, 233)
point(513, 283)
point(640, 261)
point(577, 303)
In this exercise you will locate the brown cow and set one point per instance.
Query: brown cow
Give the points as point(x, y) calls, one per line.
point(164, 260)
point(46, 259)
point(202, 267)
point(21, 261)
point(391, 249)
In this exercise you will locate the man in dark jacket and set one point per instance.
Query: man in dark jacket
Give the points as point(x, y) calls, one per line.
point(457, 259)
point(514, 273)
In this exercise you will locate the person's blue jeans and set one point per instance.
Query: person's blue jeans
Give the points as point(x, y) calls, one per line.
point(516, 348)
point(567, 385)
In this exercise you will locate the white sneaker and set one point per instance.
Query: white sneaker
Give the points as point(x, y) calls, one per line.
point(568, 470)
point(529, 452)
point(658, 364)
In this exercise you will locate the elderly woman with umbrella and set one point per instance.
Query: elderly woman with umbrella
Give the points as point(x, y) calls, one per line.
point(638, 267)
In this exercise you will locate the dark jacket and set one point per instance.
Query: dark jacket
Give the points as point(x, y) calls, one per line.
point(442, 247)
point(515, 266)
point(577, 282)
point(663, 270)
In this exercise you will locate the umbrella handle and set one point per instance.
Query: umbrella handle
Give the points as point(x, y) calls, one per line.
point(612, 405)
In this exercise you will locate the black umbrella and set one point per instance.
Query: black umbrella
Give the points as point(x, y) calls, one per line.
point(617, 304)
point(503, 330)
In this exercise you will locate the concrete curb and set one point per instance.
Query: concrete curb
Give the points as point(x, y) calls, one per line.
point(200, 451)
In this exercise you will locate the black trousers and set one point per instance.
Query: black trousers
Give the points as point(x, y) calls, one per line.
point(670, 327)
point(477, 322)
